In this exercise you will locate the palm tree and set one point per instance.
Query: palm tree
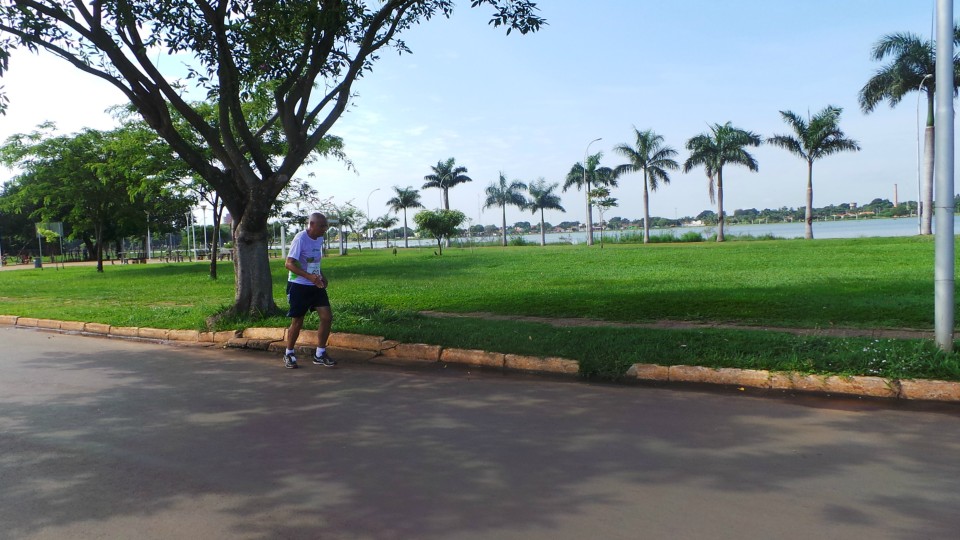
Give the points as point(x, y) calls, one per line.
point(815, 138)
point(446, 174)
point(383, 222)
point(724, 144)
point(503, 194)
point(542, 198)
point(653, 159)
point(406, 198)
point(914, 61)
point(585, 180)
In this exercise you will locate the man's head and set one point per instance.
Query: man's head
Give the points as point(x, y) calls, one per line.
point(317, 226)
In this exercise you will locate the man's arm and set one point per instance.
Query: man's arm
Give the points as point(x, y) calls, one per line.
point(293, 265)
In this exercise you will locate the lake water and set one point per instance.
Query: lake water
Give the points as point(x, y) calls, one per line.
point(841, 228)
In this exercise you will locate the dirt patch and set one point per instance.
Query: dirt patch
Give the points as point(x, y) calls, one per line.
point(875, 333)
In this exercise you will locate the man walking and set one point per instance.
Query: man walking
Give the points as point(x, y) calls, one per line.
point(307, 289)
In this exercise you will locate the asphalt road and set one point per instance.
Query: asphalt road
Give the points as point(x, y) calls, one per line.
point(105, 438)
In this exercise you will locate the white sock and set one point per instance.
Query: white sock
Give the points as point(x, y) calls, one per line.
point(290, 351)
point(320, 351)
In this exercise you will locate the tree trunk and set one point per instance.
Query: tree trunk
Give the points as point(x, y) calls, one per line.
point(251, 263)
point(98, 231)
point(503, 241)
point(589, 215)
point(405, 244)
point(646, 210)
point(926, 206)
point(543, 233)
point(809, 213)
point(720, 204)
point(446, 206)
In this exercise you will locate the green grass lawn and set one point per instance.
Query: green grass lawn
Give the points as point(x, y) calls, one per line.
point(858, 283)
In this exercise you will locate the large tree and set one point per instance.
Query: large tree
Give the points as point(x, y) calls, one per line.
point(301, 58)
point(812, 139)
point(722, 146)
point(649, 156)
point(105, 185)
point(505, 193)
point(912, 68)
point(585, 178)
point(543, 198)
point(406, 198)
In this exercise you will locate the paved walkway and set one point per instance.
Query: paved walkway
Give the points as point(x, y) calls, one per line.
point(108, 438)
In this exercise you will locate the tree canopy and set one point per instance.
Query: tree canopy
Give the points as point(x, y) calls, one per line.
point(299, 59)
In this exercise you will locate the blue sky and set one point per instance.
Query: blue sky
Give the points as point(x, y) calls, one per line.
point(529, 105)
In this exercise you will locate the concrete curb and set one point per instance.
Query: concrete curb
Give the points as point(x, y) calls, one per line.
point(384, 351)
point(879, 387)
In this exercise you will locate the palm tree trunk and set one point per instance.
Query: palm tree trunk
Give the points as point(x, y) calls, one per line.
point(504, 221)
point(589, 215)
point(808, 234)
point(646, 210)
point(405, 244)
point(720, 204)
point(543, 233)
point(926, 207)
point(446, 206)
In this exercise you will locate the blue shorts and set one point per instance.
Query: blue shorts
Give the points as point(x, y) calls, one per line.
point(304, 298)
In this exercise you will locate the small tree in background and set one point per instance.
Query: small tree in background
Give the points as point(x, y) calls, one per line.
point(600, 197)
point(440, 224)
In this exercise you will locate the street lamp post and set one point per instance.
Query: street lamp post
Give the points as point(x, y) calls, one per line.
point(586, 188)
point(919, 175)
point(369, 232)
point(148, 236)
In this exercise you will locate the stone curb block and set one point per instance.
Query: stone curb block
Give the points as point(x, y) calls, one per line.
point(307, 339)
point(184, 335)
point(96, 328)
point(742, 377)
point(237, 343)
point(929, 390)
point(49, 324)
point(153, 333)
point(216, 337)
point(124, 331)
point(273, 334)
point(780, 381)
point(355, 341)
point(649, 372)
point(412, 351)
point(693, 374)
point(808, 383)
point(27, 321)
point(537, 364)
point(473, 357)
point(9, 319)
point(862, 386)
point(71, 326)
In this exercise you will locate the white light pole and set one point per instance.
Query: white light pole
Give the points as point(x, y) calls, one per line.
point(919, 175)
point(586, 188)
point(148, 235)
point(203, 212)
point(944, 259)
point(369, 232)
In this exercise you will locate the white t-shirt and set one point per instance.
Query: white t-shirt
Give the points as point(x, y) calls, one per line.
point(308, 253)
